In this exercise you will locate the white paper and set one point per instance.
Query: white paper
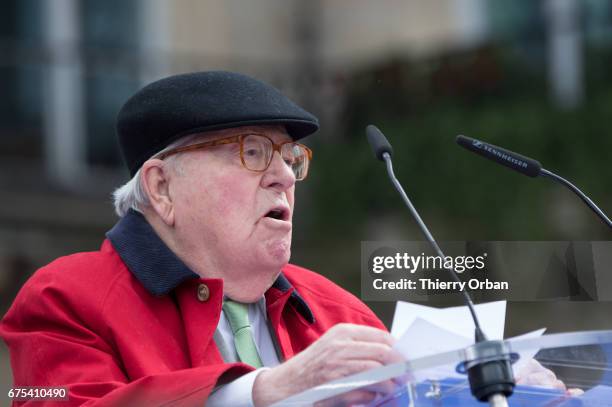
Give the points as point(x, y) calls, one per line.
point(424, 338)
point(427, 331)
point(458, 320)
point(527, 355)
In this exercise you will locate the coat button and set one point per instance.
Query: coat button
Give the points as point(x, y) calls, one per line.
point(203, 292)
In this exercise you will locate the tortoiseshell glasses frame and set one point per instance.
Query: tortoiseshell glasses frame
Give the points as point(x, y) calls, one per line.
point(256, 152)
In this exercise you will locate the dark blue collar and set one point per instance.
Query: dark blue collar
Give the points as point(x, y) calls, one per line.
point(159, 270)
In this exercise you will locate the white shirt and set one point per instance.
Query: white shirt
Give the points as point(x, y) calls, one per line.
point(240, 391)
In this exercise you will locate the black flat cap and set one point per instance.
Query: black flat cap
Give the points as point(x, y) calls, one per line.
point(173, 107)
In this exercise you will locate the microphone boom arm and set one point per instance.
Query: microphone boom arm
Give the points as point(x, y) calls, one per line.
point(577, 191)
point(480, 335)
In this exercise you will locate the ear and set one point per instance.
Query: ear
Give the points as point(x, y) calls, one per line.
point(155, 179)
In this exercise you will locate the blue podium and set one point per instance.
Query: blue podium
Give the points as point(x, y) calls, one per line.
point(582, 360)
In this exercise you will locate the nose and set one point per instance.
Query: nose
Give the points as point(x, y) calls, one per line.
point(278, 175)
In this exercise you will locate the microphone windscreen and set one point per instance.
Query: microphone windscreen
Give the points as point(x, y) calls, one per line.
point(507, 158)
point(378, 142)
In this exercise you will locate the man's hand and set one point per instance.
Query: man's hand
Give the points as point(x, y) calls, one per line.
point(344, 350)
point(534, 374)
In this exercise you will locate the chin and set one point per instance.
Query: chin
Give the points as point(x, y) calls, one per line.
point(278, 253)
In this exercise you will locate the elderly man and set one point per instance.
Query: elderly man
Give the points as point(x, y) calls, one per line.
point(191, 299)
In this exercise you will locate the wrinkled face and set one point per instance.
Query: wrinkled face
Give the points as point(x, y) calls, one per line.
point(238, 220)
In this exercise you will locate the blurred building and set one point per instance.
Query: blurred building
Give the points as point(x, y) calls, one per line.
point(68, 65)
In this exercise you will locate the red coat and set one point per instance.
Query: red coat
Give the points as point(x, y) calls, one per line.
point(86, 322)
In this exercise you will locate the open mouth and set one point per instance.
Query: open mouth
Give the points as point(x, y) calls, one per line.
point(278, 213)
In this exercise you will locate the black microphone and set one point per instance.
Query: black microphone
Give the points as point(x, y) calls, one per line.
point(517, 162)
point(489, 371)
point(378, 142)
point(527, 166)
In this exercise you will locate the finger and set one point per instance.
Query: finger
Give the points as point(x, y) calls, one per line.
point(546, 375)
point(362, 333)
point(575, 392)
point(535, 370)
point(335, 371)
point(543, 379)
point(535, 379)
point(351, 367)
point(395, 357)
point(379, 352)
point(529, 379)
point(530, 367)
point(558, 384)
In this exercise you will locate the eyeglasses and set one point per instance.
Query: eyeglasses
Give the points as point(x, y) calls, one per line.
point(256, 152)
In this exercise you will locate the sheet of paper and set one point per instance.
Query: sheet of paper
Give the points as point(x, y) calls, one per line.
point(424, 338)
point(432, 330)
point(458, 320)
point(527, 355)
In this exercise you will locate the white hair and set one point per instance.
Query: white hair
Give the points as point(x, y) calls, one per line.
point(132, 194)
